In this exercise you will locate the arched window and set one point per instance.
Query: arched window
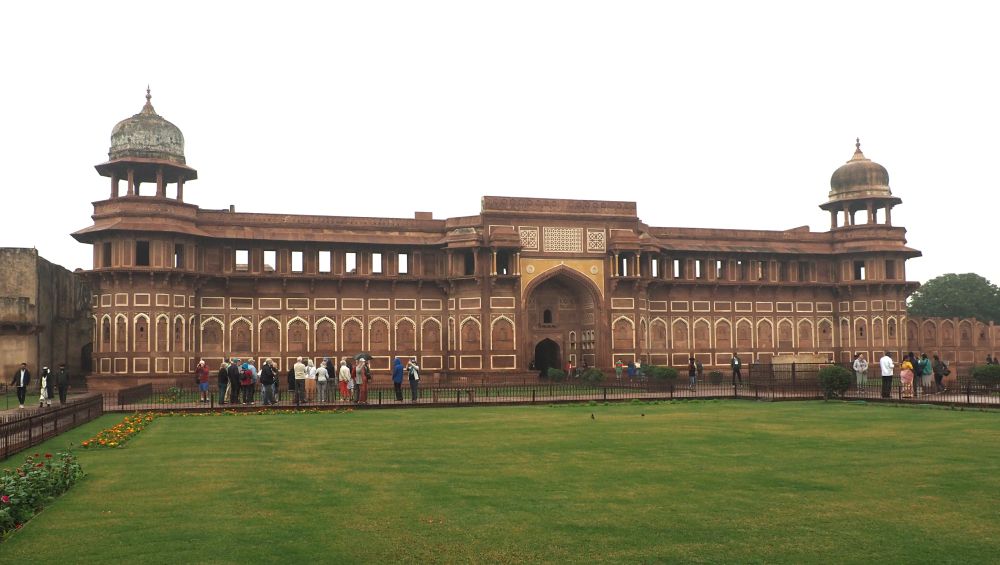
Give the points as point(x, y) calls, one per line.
point(547, 316)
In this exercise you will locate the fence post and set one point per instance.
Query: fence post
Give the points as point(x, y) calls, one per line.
point(605, 394)
point(533, 395)
point(793, 373)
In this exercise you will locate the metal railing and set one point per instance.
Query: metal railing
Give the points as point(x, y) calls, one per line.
point(759, 382)
point(20, 431)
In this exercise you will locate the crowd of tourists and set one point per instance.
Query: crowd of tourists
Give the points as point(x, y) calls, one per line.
point(918, 376)
point(239, 381)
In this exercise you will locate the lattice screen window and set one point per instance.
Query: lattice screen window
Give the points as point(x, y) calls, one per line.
point(529, 238)
point(596, 242)
point(562, 240)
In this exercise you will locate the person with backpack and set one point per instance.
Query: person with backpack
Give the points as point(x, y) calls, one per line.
point(941, 371)
point(235, 376)
point(246, 382)
point(290, 379)
point(267, 381)
point(692, 373)
point(397, 378)
point(201, 377)
point(926, 374)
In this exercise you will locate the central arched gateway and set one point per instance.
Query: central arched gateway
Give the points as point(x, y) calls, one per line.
point(564, 321)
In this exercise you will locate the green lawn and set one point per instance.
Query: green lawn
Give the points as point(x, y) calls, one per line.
point(714, 481)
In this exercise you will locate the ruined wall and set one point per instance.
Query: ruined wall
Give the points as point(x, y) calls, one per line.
point(44, 314)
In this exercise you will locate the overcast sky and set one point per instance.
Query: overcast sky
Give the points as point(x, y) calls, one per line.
point(707, 114)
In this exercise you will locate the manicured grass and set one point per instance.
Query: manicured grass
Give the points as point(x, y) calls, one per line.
point(695, 481)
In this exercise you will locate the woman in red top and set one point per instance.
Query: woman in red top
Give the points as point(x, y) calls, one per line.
point(201, 373)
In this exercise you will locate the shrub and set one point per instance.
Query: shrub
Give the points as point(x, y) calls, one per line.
point(715, 377)
point(986, 374)
point(555, 374)
point(592, 375)
point(835, 381)
point(25, 490)
point(661, 373)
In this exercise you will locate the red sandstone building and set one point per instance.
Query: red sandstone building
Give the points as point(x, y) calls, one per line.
point(525, 282)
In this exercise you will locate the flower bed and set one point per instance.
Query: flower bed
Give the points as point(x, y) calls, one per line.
point(118, 435)
point(25, 490)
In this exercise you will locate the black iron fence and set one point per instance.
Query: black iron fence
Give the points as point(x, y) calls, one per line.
point(23, 430)
point(799, 381)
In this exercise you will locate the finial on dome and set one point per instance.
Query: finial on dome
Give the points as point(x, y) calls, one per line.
point(148, 108)
point(857, 140)
point(858, 155)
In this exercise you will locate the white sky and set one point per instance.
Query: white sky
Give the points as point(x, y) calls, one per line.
point(707, 114)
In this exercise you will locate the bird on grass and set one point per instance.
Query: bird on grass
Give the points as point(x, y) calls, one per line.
point(642, 415)
point(592, 416)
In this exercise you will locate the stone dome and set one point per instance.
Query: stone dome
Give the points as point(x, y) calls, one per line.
point(147, 135)
point(859, 178)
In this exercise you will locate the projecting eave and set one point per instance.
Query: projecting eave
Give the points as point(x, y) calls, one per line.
point(115, 224)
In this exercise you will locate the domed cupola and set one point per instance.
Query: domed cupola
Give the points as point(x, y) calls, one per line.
point(147, 135)
point(859, 184)
point(147, 148)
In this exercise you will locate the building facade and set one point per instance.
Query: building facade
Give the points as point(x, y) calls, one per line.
point(524, 284)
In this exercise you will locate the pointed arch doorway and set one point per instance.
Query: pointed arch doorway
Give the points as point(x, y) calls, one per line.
point(547, 356)
point(564, 320)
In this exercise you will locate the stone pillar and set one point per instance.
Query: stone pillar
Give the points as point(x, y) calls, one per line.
point(871, 213)
point(180, 188)
point(493, 268)
point(833, 219)
point(161, 188)
point(888, 214)
point(616, 266)
point(131, 183)
point(114, 185)
point(517, 263)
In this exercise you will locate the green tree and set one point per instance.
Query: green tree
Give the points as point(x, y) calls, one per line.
point(957, 296)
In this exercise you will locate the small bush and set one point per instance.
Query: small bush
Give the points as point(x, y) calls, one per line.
point(835, 381)
point(986, 374)
point(715, 377)
point(661, 373)
point(592, 375)
point(554, 374)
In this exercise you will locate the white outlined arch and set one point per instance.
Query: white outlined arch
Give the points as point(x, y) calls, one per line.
point(812, 333)
point(245, 321)
point(828, 323)
point(891, 330)
point(436, 322)
point(970, 329)
point(343, 333)
point(631, 330)
point(863, 340)
point(879, 323)
point(676, 322)
point(777, 332)
point(222, 333)
point(732, 335)
point(111, 334)
point(388, 334)
point(182, 324)
point(333, 325)
point(192, 346)
point(644, 334)
point(513, 329)
point(847, 336)
point(395, 333)
point(170, 335)
point(754, 340)
point(135, 331)
point(479, 326)
point(115, 331)
point(708, 329)
point(772, 333)
point(288, 335)
point(665, 344)
point(277, 328)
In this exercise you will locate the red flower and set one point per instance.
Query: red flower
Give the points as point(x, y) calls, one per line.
point(5, 499)
point(48, 456)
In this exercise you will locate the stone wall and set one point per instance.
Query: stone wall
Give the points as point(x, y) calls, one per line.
point(44, 314)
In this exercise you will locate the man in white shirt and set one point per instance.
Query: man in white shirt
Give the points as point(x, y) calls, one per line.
point(886, 365)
